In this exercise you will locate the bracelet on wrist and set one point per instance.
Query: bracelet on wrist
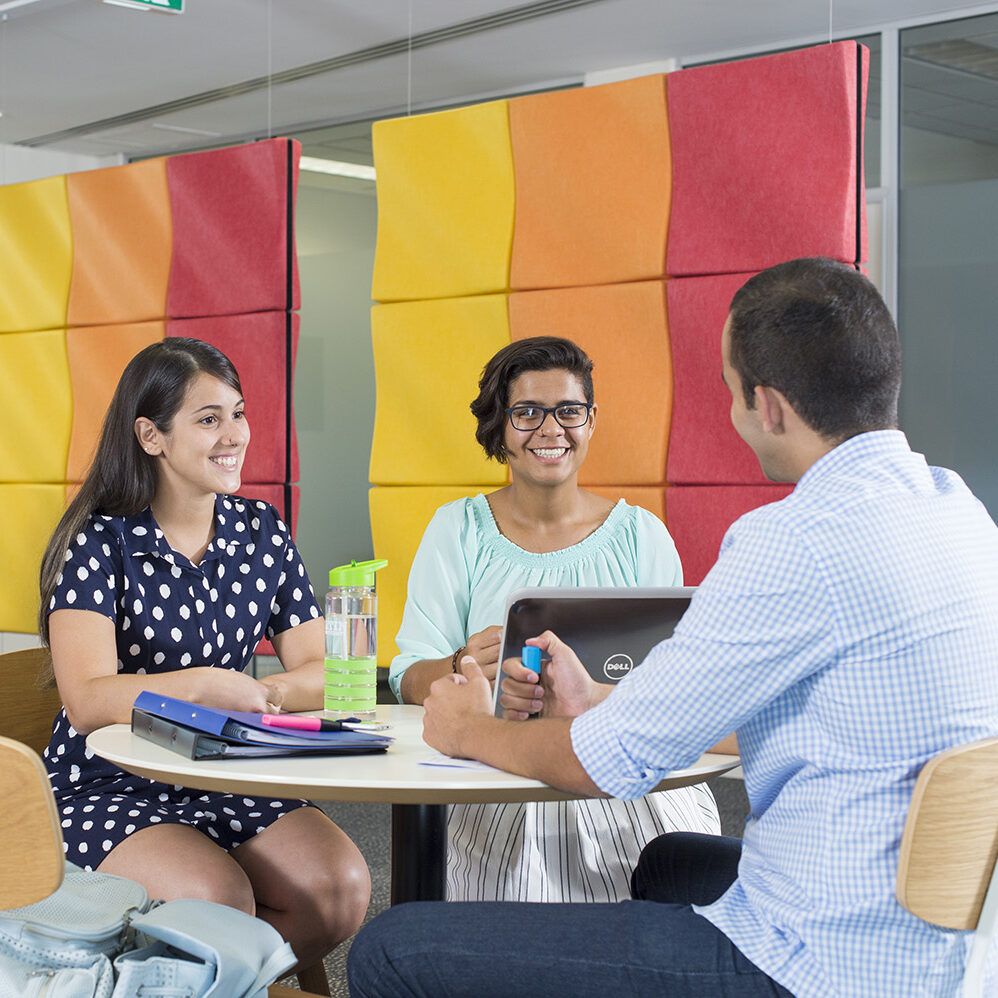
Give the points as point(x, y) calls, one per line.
point(456, 657)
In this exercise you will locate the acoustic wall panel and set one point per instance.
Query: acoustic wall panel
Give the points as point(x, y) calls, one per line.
point(623, 329)
point(97, 355)
point(122, 244)
point(704, 448)
point(445, 203)
point(258, 343)
point(398, 518)
point(35, 408)
point(428, 357)
point(206, 236)
point(645, 496)
point(767, 161)
point(29, 514)
point(593, 180)
point(699, 517)
point(233, 236)
point(36, 255)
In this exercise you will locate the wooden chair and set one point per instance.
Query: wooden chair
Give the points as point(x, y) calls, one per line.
point(26, 713)
point(27, 707)
point(948, 868)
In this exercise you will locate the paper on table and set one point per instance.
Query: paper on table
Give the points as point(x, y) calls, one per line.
point(439, 759)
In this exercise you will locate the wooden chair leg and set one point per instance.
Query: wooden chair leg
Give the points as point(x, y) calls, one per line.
point(313, 979)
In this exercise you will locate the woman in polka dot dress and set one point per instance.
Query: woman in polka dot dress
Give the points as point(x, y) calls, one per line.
point(159, 578)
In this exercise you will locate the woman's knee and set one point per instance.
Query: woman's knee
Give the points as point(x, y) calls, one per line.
point(222, 883)
point(343, 890)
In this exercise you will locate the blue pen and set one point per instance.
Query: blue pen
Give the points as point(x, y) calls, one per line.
point(531, 657)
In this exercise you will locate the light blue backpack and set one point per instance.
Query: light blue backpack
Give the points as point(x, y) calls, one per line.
point(99, 936)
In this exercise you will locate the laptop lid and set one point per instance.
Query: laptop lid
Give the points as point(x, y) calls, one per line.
point(611, 629)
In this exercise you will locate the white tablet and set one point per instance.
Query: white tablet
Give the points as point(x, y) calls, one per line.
point(611, 629)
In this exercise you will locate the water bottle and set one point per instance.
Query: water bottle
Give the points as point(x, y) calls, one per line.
point(351, 675)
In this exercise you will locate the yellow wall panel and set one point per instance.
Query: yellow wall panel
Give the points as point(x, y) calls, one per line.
point(35, 407)
point(34, 510)
point(445, 203)
point(398, 518)
point(428, 357)
point(36, 255)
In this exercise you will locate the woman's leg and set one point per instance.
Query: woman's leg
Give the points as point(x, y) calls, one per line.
point(310, 881)
point(177, 861)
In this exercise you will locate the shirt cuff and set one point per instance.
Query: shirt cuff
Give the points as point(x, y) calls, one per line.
point(605, 760)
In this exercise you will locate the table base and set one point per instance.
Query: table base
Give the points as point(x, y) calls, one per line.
point(419, 852)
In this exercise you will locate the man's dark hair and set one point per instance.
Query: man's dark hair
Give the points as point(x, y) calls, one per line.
point(819, 332)
point(538, 353)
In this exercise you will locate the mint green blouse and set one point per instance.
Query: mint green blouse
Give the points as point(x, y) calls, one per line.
point(464, 570)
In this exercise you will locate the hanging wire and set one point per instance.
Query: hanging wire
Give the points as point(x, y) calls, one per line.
point(270, 70)
point(831, 5)
point(408, 93)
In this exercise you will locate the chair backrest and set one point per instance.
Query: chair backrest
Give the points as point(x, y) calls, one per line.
point(950, 842)
point(27, 707)
point(31, 855)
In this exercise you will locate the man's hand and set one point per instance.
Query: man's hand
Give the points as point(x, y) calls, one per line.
point(456, 702)
point(564, 688)
point(483, 647)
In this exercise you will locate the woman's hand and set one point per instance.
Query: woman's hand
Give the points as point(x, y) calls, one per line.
point(483, 647)
point(232, 690)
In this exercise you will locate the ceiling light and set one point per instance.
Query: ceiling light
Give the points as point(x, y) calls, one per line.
point(337, 168)
point(185, 130)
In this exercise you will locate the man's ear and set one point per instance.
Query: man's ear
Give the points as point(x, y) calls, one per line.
point(771, 406)
point(149, 438)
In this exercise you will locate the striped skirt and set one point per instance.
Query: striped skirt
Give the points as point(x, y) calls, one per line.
point(579, 850)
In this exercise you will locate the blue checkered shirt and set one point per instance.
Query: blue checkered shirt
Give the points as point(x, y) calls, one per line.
point(848, 634)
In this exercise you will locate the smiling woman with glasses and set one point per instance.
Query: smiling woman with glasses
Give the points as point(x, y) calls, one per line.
point(536, 412)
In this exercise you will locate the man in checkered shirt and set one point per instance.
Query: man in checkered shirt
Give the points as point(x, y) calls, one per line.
point(847, 634)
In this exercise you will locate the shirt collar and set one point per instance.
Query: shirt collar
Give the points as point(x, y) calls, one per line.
point(141, 534)
point(876, 444)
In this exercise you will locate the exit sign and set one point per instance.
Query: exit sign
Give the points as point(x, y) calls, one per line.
point(167, 6)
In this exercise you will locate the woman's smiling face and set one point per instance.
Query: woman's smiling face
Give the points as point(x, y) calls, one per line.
point(206, 445)
point(551, 454)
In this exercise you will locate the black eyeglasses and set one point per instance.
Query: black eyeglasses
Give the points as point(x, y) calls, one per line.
point(569, 415)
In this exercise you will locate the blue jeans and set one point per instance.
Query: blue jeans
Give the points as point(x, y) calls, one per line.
point(657, 946)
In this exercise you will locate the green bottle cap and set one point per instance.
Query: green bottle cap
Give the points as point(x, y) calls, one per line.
point(357, 573)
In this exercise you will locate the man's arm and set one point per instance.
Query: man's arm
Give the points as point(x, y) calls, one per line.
point(459, 722)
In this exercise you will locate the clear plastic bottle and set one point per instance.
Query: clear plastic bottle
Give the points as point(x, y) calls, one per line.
point(351, 675)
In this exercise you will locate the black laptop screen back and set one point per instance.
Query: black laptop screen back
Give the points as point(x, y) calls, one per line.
point(611, 636)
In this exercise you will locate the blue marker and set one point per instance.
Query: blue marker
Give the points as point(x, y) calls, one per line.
point(532, 658)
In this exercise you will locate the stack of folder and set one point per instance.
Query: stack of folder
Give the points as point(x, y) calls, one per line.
point(200, 732)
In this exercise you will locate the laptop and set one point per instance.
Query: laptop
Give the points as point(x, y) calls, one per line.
point(611, 629)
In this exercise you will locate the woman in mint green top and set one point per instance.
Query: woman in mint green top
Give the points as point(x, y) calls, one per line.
point(541, 530)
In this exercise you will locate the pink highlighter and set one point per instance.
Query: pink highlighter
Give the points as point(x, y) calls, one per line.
point(301, 723)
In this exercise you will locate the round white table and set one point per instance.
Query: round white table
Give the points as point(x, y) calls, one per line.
point(417, 792)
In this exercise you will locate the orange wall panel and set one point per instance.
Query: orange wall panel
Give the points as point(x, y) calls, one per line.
point(623, 329)
point(593, 184)
point(122, 244)
point(97, 356)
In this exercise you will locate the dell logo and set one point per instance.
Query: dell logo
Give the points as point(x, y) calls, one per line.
point(617, 666)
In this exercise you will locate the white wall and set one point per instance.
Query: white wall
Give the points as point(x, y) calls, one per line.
point(18, 163)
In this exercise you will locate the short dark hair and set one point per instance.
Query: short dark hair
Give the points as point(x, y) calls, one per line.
point(538, 353)
point(819, 332)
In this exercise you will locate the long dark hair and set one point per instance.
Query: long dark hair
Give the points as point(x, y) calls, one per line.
point(122, 478)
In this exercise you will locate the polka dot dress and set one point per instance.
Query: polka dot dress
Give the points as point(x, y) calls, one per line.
point(171, 614)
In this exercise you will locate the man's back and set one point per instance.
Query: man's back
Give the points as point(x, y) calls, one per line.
point(895, 644)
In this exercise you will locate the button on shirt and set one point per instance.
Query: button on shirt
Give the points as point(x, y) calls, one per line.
point(848, 634)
